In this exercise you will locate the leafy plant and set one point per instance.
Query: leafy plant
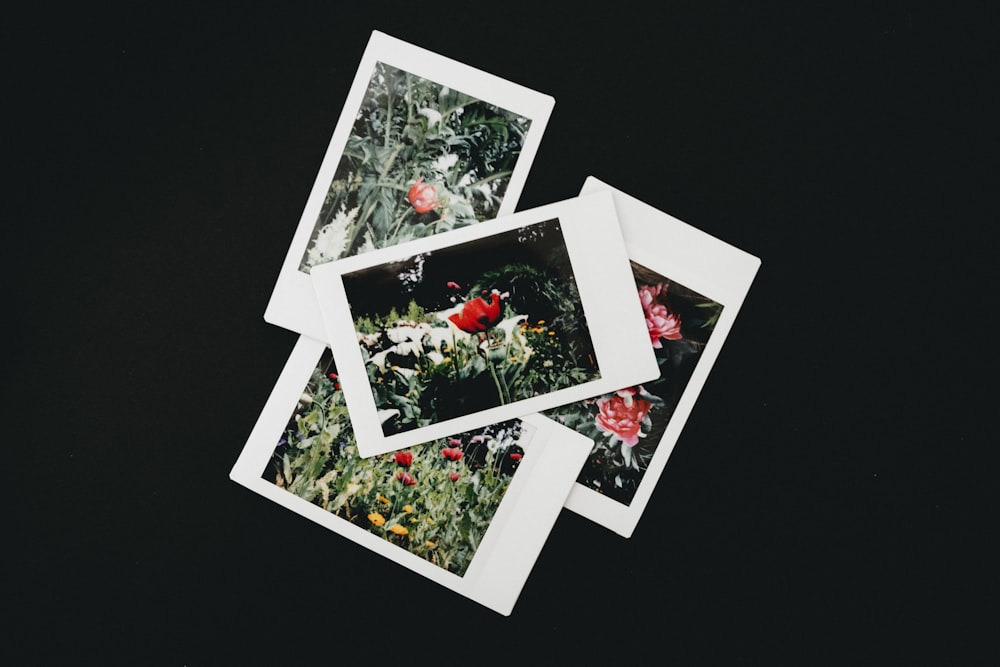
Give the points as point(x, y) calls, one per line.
point(435, 500)
point(412, 132)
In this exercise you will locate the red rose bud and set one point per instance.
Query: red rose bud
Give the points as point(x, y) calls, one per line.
point(423, 197)
point(477, 315)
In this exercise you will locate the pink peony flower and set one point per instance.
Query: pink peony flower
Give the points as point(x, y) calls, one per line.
point(622, 418)
point(662, 323)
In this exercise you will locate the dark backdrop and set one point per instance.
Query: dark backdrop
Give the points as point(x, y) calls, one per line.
point(831, 498)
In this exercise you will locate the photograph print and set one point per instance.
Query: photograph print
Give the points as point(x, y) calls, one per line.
point(627, 425)
point(461, 329)
point(435, 500)
point(421, 158)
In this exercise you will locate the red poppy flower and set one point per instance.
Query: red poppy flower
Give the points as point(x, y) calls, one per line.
point(406, 478)
point(515, 456)
point(452, 453)
point(423, 197)
point(453, 476)
point(477, 315)
point(403, 458)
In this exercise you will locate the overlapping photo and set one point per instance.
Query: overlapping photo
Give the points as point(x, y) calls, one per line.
point(470, 511)
point(691, 286)
point(423, 145)
point(486, 323)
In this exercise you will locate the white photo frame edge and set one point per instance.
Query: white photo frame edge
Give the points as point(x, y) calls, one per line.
point(621, 342)
point(516, 534)
point(292, 302)
point(702, 263)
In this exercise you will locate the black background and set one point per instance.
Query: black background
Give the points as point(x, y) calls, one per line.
point(831, 499)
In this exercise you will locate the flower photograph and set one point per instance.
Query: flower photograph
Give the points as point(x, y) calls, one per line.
point(435, 500)
point(627, 425)
point(461, 329)
point(421, 158)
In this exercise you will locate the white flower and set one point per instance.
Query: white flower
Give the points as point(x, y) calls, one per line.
point(431, 115)
point(445, 162)
point(331, 240)
point(386, 415)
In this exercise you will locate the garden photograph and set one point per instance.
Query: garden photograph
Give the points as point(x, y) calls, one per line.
point(458, 330)
point(435, 500)
point(421, 159)
point(627, 425)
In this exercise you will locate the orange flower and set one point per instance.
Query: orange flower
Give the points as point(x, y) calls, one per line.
point(399, 530)
point(376, 518)
point(422, 197)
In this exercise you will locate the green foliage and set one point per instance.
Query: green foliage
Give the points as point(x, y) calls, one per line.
point(438, 518)
point(409, 128)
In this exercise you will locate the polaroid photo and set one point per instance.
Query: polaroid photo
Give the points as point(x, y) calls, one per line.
point(424, 144)
point(691, 286)
point(485, 323)
point(470, 511)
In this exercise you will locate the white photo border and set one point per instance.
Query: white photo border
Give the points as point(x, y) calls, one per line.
point(701, 262)
point(292, 304)
point(516, 534)
point(603, 275)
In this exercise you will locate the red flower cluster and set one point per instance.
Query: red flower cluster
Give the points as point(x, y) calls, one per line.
point(403, 458)
point(422, 197)
point(452, 453)
point(406, 478)
point(477, 315)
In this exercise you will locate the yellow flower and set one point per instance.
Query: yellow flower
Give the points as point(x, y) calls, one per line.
point(399, 530)
point(407, 508)
point(446, 360)
point(430, 520)
point(414, 519)
point(431, 544)
point(513, 358)
point(552, 333)
point(382, 499)
point(376, 518)
point(541, 321)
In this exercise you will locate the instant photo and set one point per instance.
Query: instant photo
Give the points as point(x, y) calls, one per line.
point(479, 325)
point(454, 509)
point(690, 286)
point(424, 145)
